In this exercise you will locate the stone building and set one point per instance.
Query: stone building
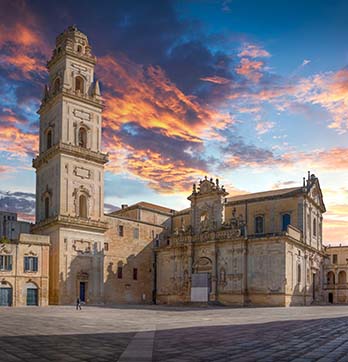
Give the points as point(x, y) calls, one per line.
point(262, 249)
point(255, 249)
point(24, 271)
point(336, 270)
point(11, 227)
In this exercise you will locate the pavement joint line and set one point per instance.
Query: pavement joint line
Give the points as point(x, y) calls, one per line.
point(140, 348)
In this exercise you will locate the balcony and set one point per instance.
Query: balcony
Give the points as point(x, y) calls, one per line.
point(336, 286)
point(73, 221)
point(72, 150)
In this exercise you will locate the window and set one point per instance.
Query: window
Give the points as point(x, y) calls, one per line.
point(136, 233)
point(119, 272)
point(334, 259)
point(286, 220)
point(79, 49)
point(298, 273)
point(30, 264)
point(79, 84)
point(47, 207)
point(106, 246)
point(49, 139)
point(56, 86)
point(83, 206)
point(135, 274)
point(82, 137)
point(259, 225)
point(120, 230)
point(314, 227)
point(5, 262)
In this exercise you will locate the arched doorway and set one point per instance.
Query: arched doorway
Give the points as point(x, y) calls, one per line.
point(330, 278)
point(342, 277)
point(5, 294)
point(201, 280)
point(32, 293)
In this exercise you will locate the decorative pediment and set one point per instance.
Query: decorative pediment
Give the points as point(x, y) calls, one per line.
point(314, 192)
point(206, 187)
point(4, 250)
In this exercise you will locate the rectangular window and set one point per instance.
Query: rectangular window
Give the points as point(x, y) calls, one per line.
point(135, 274)
point(30, 263)
point(5, 262)
point(120, 230)
point(334, 259)
point(259, 227)
point(106, 246)
point(136, 233)
point(119, 272)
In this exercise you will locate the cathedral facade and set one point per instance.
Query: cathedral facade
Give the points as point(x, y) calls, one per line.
point(258, 249)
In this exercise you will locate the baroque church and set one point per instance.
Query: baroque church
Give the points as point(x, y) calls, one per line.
point(255, 249)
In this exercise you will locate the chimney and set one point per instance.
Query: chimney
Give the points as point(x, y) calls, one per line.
point(124, 206)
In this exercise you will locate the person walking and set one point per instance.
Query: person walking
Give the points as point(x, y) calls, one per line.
point(78, 303)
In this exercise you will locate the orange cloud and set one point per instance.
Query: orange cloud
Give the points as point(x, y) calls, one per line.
point(14, 140)
point(253, 51)
point(215, 79)
point(146, 97)
point(251, 69)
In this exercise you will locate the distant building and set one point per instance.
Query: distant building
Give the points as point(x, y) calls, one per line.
point(24, 271)
point(336, 271)
point(10, 227)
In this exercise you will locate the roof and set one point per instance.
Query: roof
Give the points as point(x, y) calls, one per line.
point(146, 205)
point(265, 194)
point(184, 211)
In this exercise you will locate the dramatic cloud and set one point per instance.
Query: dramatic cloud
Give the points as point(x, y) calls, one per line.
point(251, 69)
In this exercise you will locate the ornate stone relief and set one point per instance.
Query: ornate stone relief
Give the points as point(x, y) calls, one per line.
point(82, 172)
point(79, 113)
point(81, 246)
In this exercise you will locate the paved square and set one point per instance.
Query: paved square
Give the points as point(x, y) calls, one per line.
point(155, 333)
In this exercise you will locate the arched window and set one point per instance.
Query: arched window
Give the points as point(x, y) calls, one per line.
point(330, 277)
point(56, 86)
point(47, 207)
point(49, 139)
point(79, 84)
point(342, 277)
point(79, 49)
point(298, 273)
point(314, 227)
point(259, 225)
point(82, 137)
point(83, 206)
point(286, 220)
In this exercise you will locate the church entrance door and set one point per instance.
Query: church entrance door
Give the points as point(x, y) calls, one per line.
point(201, 280)
point(83, 291)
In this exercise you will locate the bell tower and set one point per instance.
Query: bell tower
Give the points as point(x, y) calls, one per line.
point(70, 169)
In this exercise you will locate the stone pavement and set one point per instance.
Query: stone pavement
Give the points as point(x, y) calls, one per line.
point(163, 333)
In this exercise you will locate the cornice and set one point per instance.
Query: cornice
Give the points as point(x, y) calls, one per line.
point(75, 95)
point(72, 221)
point(72, 150)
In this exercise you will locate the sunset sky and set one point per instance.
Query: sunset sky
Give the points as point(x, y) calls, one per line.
point(252, 92)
